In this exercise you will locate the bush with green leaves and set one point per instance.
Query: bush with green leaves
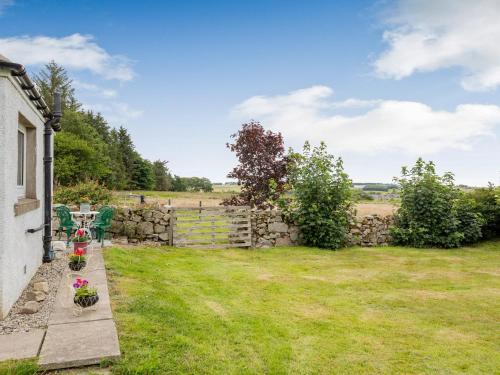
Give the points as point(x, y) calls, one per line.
point(90, 191)
point(487, 203)
point(433, 212)
point(470, 222)
point(322, 192)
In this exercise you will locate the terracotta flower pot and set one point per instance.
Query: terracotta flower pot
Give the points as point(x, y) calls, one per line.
point(76, 266)
point(86, 301)
point(80, 245)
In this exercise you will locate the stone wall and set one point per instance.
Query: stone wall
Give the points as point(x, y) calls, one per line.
point(269, 229)
point(371, 230)
point(151, 224)
point(144, 224)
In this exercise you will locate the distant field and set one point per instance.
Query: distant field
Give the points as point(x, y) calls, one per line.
point(226, 188)
point(213, 199)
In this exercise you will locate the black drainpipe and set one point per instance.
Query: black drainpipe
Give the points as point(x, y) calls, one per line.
point(52, 122)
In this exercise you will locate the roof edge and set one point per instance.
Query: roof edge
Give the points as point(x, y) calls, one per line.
point(29, 88)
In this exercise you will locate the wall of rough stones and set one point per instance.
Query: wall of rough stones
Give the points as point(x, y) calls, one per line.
point(151, 224)
point(269, 229)
point(143, 224)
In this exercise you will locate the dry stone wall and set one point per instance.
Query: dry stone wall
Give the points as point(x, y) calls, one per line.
point(144, 224)
point(152, 224)
point(269, 229)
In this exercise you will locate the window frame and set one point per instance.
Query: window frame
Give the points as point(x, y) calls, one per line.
point(21, 189)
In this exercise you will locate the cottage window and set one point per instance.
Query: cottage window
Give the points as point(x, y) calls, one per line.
point(21, 160)
point(26, 167)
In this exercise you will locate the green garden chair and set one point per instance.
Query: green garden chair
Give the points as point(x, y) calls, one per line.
point(102, 222)
point(66, 222)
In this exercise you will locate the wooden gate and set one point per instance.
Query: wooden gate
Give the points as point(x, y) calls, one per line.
point(212, 227)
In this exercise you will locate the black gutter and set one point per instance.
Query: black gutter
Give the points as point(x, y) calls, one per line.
point(52, 122)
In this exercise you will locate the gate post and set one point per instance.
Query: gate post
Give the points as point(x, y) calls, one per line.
point(171, 227)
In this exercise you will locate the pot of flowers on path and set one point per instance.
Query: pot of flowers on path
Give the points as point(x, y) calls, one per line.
point(81, 240)
point(85, 296)
point(77, 260)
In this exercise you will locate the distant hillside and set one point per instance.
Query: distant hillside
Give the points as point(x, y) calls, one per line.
point(374, 186)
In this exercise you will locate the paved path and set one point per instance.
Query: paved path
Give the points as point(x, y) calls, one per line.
point(21, 345)
point(77, 340)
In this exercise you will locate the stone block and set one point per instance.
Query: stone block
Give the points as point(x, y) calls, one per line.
point(163, 236)
point(283, 241)
point(158, 215)
point(159, 228)
point(129, 228)
point(41, 286)
point(145, 228)
point(116, 226)
point(278, 227)
point(294, 234)
point(30, 307)
point(36, 296)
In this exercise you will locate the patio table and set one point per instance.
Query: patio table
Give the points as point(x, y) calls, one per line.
point(88, 218)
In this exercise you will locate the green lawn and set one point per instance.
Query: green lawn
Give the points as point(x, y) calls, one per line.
point(307, 311)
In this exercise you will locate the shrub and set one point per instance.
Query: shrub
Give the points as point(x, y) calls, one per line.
point(470, 222)
point(487, 203)
point(426, 216)
point(89, 191)
point(322, 198)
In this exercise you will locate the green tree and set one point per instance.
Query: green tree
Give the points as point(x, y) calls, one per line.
point(179, 184)
point(322, 193)
point(75, 160)
point(163, 179)
point(54, 77)
point(143, 175)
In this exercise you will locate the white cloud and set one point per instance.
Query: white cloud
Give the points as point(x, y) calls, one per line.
point(106, 93)
point(116, 113)
point(382, 125)
point(76, 51)
point(427, 35)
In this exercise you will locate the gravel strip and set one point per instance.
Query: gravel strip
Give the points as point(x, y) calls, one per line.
point(16, 322)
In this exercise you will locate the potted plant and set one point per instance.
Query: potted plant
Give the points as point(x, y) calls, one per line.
point(81, 240)
point(85, 296)
point(77, 260)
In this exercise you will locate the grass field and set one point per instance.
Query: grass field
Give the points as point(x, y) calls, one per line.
point(213, 199)
point(307, 311)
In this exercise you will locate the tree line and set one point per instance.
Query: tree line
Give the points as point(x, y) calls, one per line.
point(88, 149)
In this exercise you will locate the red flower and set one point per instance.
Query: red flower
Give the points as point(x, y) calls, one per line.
point(80, 232)
point(79, 251)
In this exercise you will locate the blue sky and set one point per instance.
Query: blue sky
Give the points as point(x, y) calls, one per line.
point(381, 82)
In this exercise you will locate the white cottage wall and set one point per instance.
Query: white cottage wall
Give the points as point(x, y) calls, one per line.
point(20, 252)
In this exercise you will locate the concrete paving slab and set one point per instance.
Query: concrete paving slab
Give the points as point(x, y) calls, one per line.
point(21, 345)
point(95, 261)
point(64, 308)
point(79, 344)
